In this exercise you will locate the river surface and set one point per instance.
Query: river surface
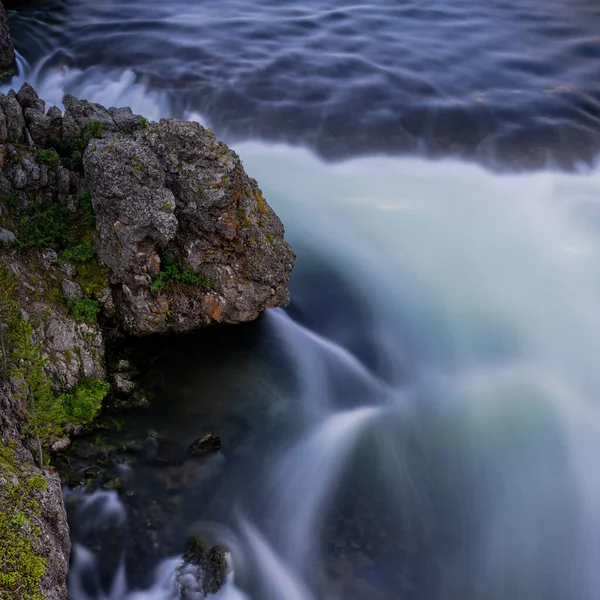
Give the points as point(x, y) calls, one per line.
point(422, 422)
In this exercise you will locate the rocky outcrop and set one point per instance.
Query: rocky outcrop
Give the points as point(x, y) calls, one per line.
point(109, 222)
point(8, 64)
point(171, 198)
point(187, 235)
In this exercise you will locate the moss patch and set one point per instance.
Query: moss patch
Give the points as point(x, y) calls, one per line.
point(21, 567)
point(23, 362)
point(172, 272)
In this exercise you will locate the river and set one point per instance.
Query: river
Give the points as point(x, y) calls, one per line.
point(422, 422)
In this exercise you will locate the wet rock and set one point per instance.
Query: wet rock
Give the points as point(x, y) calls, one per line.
point(125, 120)
point(208, 444)
point(7, 237)
point(203, 571)
point(122, 384)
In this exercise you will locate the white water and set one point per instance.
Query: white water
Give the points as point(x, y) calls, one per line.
point(483, 294)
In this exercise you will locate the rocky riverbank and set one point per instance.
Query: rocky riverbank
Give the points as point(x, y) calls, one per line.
point(109, 225)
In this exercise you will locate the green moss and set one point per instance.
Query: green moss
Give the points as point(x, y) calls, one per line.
point(46, 225)
point(92, 276)
point(86, 309)
point(47, 156)
point(82, 403)
point(171, 271)
point(21, 567)
point(23, 362)
point(143, 123)
point(87, 207)
point(270, 238)
point(79, 254)
point(11, 199)
point(95, 129)
point(262, 205)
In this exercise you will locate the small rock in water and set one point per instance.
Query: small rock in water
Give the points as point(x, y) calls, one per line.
point(203, 571)
point(123, 384)
point(61, 445)
point(208, 444)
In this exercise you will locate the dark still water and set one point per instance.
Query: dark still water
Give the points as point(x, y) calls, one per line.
point(514, 78)
point(422, 423)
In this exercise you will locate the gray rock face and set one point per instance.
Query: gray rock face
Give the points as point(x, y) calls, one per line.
point(53, 542)
point(187, 234)
point(172, 190)
point(75, 350)
point(7, 51)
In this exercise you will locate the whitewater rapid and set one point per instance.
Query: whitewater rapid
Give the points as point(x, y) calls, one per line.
point(477, 409)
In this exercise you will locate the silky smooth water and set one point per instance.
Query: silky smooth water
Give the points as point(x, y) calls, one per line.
point(511, 78)
point(422, 421)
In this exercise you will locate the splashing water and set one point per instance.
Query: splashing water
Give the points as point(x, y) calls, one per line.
point(477, 418)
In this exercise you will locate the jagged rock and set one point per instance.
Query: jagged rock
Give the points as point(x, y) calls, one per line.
point(125, 120)
point(8, 63)
point(208, 444)
point(28, 98)
point(182, 236)
point(173, 189)
point(187, 235)
point(7, 237)
point(72, 290)
point(15, 121)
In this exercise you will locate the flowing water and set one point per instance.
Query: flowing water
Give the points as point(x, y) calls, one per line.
point(422, 422)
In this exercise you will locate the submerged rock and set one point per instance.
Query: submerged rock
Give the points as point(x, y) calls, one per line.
point(208, 444)
point(202, 572)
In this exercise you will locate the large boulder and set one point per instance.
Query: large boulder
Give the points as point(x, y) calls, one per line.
point(187, 234)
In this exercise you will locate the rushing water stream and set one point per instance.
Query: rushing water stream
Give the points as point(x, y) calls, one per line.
point(422, 422)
